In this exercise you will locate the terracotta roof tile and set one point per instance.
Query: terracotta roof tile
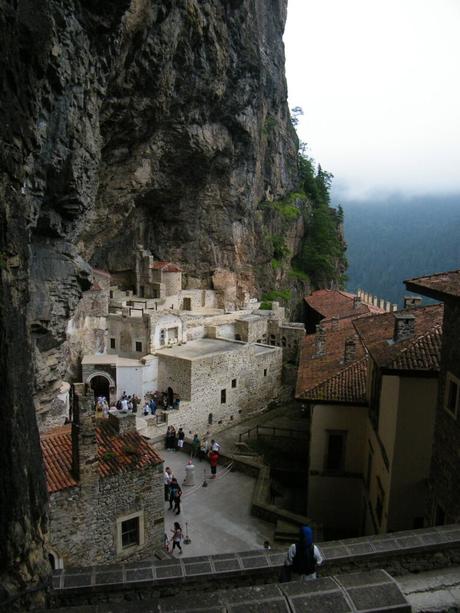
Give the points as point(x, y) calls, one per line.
point(314, 369)
point(419, 352)
point(57, 455)
point(117, 453)
point(440, 285)
point(349, 385)
point(165, 267)
point(337, 303)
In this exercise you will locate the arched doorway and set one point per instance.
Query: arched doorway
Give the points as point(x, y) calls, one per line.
point(100, 386)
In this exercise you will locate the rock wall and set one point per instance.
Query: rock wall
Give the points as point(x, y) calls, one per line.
point(128, 121)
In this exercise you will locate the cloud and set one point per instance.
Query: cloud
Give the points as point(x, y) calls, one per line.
point(377, 81)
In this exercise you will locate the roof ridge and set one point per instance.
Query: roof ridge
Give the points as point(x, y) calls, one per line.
point(435, 274)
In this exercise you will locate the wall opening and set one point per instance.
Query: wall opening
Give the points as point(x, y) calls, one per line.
point(223, 396)
point(100, 386)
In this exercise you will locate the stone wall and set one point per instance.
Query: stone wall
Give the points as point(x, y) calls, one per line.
point(256, 375)
point(83, 520)
point(126, 331)
point(445, 474)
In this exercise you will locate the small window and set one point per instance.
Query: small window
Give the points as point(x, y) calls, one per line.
point(335, 458)
point(223, 396)
point(237, 337)
point(452, 395)
point(272, 339)
point(265, 372)
point(130, 532)
point(233, 382)
point(379, 502)
point(112, 343)
point(138, 346)
point(210, 419)
point(111, 294)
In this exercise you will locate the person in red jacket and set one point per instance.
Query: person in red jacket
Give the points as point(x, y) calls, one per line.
point(213, 459)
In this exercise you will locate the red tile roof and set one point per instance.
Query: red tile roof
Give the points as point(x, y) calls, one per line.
point(57, 455)
point(315, 370)
point(440, 285)
point(347, 386)
point(419, 352)
point(165, 267)
point(337, 303)
point(117, 453)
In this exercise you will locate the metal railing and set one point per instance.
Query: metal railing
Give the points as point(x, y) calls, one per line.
point(274, 431)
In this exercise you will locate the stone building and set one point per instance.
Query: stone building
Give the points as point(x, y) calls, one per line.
point(372, 401)
point(444, 490)
point(105, 486)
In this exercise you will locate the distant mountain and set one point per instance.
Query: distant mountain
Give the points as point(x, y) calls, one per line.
point(392, 240)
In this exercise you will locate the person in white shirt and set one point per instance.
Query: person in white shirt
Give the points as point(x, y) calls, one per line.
point(168, 477)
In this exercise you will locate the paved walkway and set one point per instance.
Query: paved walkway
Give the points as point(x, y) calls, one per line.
point(218, 516)
point(434, 590)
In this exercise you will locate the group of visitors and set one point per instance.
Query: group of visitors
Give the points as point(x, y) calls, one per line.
point(127, 404)
point(174, 440)
point(173, 492)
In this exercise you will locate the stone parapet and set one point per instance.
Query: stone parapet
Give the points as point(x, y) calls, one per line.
point(397, 553)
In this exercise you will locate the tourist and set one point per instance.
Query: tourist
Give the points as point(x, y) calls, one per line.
point(168, 442)
point(177, 537)
point(204, 448)
point(118, 405)
point(153, 406)
point(168, 477)
point(124, 405)
point(173, 438)
point(176, 403)
point(303, 557)
point(215, 446)
point(195, 445)
point(213, 460)
point(130, 404)
point(175, 494)
point(180, 438)
point(135, 400)
point(146, 409)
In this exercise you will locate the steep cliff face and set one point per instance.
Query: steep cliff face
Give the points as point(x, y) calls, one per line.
point(127, 121)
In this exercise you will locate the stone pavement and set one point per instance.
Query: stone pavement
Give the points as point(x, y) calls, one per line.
point(434, 590)
point(218, 515)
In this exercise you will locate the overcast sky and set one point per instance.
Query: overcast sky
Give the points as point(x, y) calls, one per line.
point(379, 84)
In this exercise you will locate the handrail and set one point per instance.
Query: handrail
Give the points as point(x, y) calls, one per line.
point(290, 432)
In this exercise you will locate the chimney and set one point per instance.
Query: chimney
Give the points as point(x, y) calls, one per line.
point(375, 301)
point(387, 306)
point(349, 355)
point(123, 422)
point(404, 326)
point(382, 304)
point(83, 433)
point(320, 341)
point(412, 301)
point(356, 302)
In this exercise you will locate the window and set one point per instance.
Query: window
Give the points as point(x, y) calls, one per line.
point(111, 294)
point(335, 456)
point(113, 343)
point(138, 346)
point(210, 419)
point(440, 516)
point(233, 382)
point(237, 337)
point(379, 502)
point(272, 339)
point(452, 395)
point(130, 532)
point(162, 337)
point(223, 396)
point(265, 372)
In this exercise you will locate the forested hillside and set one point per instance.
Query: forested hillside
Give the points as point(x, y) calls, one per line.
point(392, 240)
